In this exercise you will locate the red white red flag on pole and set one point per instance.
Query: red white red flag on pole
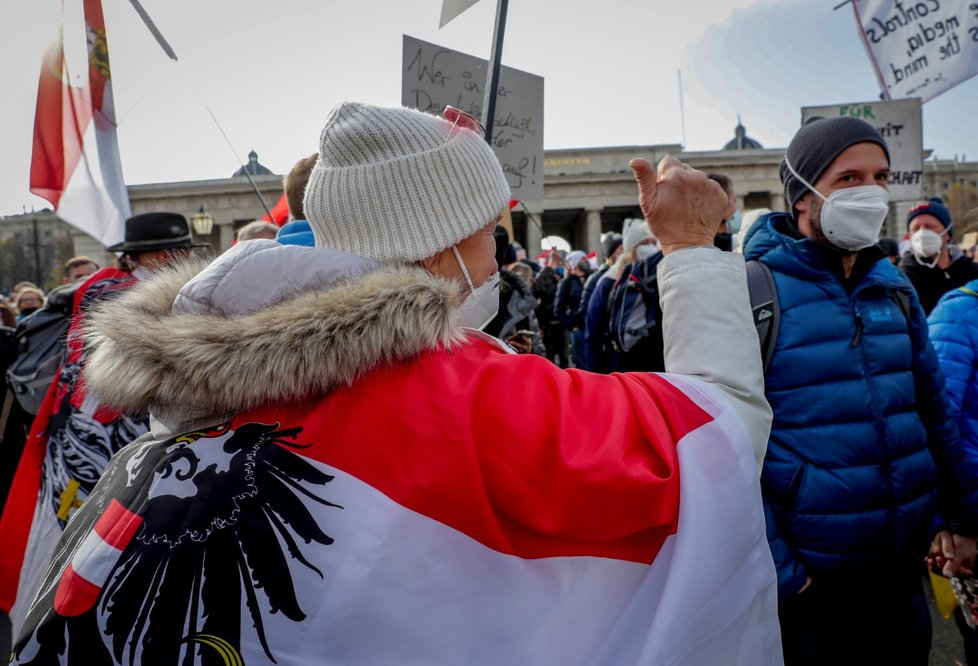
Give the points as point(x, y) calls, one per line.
point(75, 163)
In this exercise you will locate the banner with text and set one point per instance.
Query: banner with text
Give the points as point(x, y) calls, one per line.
point(919, 48)
point(899, 121)
point(434, 77)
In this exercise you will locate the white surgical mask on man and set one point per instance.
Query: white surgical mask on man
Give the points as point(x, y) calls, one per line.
point(482, 303)
point(852, 217)
point(926, 246)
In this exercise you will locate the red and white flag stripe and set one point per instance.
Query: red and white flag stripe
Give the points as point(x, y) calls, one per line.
point(75, 163)
point(92, 563)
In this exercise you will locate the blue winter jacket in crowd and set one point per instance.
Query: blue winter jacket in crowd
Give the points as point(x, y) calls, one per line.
point(954, 333)
point(597, 345)
point(296, 232)
point(863, 462)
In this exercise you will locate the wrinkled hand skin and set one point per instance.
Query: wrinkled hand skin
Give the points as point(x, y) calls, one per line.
point(682, 206)
point(951, 555)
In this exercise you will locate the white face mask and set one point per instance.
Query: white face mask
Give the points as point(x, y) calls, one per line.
point(734, 222)
point(482, 303)
point(853, 216)
point(926, 244)
point(645, 251)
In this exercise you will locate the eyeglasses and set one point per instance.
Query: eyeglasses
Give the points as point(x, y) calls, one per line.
point(464, 120)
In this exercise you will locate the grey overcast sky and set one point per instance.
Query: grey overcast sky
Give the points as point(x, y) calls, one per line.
point(271, 71)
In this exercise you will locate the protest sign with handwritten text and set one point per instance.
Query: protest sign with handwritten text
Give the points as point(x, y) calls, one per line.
point(434, 77)
point(920, 48)
point(899, 121)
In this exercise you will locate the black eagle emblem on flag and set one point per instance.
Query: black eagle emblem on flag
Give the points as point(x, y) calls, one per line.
point(178, 541)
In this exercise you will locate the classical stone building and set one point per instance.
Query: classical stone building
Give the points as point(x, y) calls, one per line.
point(587, 191)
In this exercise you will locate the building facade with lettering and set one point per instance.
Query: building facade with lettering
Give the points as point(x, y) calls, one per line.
point(587, 191)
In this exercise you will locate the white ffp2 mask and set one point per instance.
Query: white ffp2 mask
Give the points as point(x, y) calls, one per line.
point(926, 246)
point(853, 216)
point(482, 303)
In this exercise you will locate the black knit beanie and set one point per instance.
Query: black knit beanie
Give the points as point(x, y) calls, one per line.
point(817, 144)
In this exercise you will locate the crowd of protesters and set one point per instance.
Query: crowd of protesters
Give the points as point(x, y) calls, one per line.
point(868, 475)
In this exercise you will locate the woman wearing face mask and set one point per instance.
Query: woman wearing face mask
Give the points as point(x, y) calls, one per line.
point(341, 470)
point(930, 267)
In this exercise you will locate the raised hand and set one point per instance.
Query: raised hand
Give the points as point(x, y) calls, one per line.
point(681, 205)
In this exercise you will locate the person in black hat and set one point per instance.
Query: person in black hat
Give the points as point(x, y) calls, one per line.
point(75, 432)
point(864, 469)
point(154, 241)
point(932, 269)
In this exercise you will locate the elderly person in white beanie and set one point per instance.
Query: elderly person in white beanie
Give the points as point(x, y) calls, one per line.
point(334, 472)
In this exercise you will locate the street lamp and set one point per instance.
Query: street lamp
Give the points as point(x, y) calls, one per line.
point(202, 223)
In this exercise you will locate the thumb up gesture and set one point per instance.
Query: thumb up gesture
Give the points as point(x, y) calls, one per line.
point(682, 206)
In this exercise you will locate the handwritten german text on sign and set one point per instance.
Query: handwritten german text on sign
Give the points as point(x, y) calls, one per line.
point(899, 123)
point(920, 48)
point(434, 77)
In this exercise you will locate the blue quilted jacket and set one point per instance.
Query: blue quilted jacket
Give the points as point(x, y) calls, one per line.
point(954, 332)
point(862, 454)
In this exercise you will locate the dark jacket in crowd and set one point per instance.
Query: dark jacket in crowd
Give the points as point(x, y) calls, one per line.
point(590, 284)
point(932, 283)
point(567, 304)
point(545, 288)
point(554, 336)
point(516, 305)
point(14, 421)
point(863, 462)
point(647, 354)
point(597, 346)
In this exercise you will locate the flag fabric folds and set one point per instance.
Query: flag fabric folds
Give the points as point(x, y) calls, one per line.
point(280, 212)
point(319, 533)
point(75, 163)
point(70, 443)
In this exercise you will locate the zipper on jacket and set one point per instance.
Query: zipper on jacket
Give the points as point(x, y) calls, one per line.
point(857, 338)
point(889, 529)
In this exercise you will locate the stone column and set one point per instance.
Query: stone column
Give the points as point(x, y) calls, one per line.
point(778, 202)
point(226, 235)
point(594, 231)
point(534, 234)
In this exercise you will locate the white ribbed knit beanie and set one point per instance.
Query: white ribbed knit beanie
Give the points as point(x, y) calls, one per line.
point(633, 231)
point(390, 187)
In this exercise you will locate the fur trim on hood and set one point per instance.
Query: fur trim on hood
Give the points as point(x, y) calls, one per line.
point(146, 354)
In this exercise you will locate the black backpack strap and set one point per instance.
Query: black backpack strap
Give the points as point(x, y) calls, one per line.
point(765, 308)
point(902, 299)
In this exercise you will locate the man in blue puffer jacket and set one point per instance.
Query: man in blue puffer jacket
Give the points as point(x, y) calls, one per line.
point(864, 467)
point(954, 332)
point(953, 328)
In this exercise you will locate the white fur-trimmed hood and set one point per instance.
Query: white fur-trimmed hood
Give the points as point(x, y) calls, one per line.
point(277, 337)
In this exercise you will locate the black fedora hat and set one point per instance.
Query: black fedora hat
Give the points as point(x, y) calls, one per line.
point(155, 231)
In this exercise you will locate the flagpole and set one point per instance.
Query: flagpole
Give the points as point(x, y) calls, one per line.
point(243, 169)
point(495, 62)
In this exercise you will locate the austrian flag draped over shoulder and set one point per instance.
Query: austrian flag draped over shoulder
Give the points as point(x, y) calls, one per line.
point(75, 163)
point(326, 533)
